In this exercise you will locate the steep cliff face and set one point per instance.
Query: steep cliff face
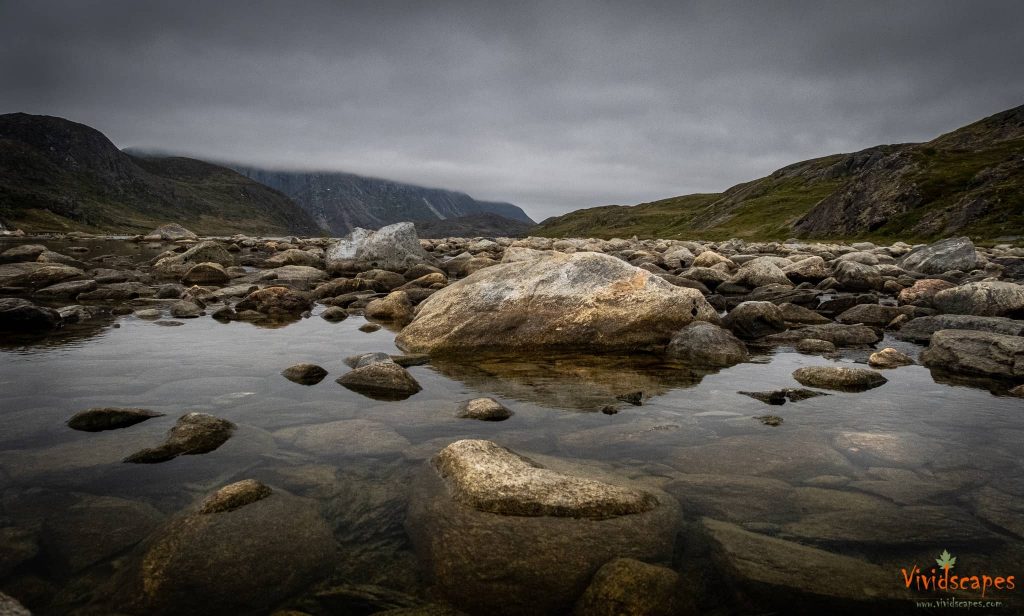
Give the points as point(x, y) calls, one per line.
point(57, 175)
point(969, 181)
point(342, 201)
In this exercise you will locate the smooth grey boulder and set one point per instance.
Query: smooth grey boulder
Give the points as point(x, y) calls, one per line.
point(920, 330)
point(582, 301)
point(956, 253)
point(836, 333)
point(857, 276)
point(976, 353)
point(382, 380)
point(992, 299)
point(394, 247)
point(755, 320)
point(705, 344)
point(304, 374)
point(484, 409)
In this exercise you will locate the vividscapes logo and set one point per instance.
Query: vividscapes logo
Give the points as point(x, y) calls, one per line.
point(942, 580)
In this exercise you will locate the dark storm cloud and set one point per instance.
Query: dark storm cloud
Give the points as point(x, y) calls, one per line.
point(551, 105)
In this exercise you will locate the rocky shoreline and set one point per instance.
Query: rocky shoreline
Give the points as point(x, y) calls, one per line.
point(499, 530)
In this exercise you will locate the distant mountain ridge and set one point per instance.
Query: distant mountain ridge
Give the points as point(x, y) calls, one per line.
point(473, 225)
point(58, 175)
point(339, 202)
point(969, 181)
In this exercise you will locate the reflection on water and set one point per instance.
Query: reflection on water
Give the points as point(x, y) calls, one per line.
point(889, 475)
point(569, 382)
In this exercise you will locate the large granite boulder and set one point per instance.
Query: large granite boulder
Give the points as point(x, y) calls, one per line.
point(394, 247)
point(976, 353)
point(956, 253)
point(991, 299)
point(498, 533)
point(582, 301)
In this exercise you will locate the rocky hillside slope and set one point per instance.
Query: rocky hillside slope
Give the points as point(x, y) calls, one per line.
point(969, 181)
point(57, 175)
point(340, 202)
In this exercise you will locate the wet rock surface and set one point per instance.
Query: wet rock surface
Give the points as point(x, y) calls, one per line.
point(839, 378)
point(193, 434)
point(109, 418)
point(488, 477)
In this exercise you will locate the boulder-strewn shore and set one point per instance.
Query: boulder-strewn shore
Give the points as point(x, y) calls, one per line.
point(495, 528)
point(458, 295)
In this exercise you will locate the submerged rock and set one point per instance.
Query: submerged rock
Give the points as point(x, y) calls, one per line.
point(626, 586)
point(786, 574)
point(780, 396)
point(976, 353)
point(770, 420)
point(582, 301)
point(705, 344)
point(93, 529)
point(237, 562)
point(194, 433)
point(485, 409)
point(384, 380)
point(235, 495)
point(839, 378)
point(541, 536)
point(304, 374)
point(109, 418)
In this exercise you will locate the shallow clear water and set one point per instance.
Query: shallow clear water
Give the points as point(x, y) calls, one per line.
point(913, 442)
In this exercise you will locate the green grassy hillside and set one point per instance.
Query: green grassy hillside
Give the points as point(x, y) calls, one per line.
point(57, 175)
point(969, 181)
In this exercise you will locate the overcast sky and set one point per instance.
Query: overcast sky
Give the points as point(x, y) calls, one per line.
point(551, 105)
